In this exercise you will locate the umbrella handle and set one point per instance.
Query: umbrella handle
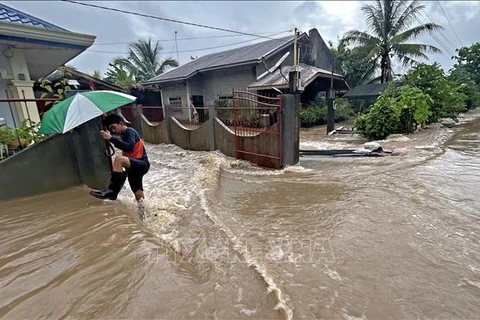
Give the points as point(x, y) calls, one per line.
point(109, 150)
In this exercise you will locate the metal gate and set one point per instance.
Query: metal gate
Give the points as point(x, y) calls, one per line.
point(258, 128)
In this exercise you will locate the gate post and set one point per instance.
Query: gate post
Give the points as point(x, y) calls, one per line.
point(168, 112)
point(291, 129)
point(212, 114)
point(137, 119)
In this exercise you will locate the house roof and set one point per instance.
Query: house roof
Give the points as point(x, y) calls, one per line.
point(239, 56)
point(84, 79)
point(366, 90)
point(8, 14)
point(307, 74)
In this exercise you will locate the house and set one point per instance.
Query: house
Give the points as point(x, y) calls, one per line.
point(363, 96)
point(77, 80)
point(31, 48)
point(81, 81)
point(212, 77)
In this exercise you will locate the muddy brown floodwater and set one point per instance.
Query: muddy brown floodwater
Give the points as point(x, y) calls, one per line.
point(330, 238)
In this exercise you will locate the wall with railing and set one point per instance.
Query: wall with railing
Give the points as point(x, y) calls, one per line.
point(216, 131)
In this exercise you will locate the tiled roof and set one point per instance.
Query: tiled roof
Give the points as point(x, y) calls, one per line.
point(222, 59)
point(8, 14)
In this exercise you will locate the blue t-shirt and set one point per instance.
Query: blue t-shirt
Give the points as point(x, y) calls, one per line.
point(131, 145)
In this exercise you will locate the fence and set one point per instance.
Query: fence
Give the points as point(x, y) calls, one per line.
point(261, 129)
point(255, 114)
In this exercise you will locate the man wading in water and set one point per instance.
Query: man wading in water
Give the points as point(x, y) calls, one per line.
point(134, 159)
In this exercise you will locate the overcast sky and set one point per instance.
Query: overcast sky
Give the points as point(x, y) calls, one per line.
point(331, 18)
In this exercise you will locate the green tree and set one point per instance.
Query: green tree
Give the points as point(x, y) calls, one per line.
point(390, 35)
point(413, 108)
point(448, 99)
point(353, 65)
point(97, 74)
point(144, 60)
point(468, 60)
point(118, 76)
point(466, 73)
point(466, 83)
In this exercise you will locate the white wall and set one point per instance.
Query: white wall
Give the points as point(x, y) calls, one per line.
point(4, 83)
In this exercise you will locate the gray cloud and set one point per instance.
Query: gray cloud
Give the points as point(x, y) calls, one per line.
point(331, 18)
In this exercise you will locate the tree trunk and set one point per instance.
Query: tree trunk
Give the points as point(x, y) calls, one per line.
point(383, 66)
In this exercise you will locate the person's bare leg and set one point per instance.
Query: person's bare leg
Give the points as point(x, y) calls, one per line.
point(120, 163)
point(139, 194)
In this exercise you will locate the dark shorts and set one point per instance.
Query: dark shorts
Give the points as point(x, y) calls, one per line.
point(138, 169)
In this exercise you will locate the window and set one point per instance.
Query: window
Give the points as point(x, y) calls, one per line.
point(175, 102)
point(224, 101)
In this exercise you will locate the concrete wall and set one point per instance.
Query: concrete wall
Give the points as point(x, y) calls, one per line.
point(152, 133)
point(196, 140)
point(179, 90)
point(224, 139)
point(60, 162)
point(220, 82)
point(195, 85)
point(318, 53)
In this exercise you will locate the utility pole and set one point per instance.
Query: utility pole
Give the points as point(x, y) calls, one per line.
point(294, 74)
point(176, 45)
point(331, 100)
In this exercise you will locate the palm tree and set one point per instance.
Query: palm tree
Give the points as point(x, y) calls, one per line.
point(118, 76)
point(97, 74)
point(144, 61)
point(389, 22)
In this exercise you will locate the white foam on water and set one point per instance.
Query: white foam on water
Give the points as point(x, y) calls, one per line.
point(282, 299)
point(323, 145)
point(176, 179)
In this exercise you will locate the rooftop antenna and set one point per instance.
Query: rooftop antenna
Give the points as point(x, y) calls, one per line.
point(272, 69)
point(176, 45)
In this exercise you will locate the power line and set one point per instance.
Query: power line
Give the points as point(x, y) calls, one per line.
point(191, 50)
point(445, 14)
point(446, 39)
point(166, 19)
point(190, 38)
point(429, 31)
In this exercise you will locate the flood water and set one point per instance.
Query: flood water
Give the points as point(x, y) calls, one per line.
point(330, 238)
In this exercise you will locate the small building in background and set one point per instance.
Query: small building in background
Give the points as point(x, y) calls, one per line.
point(363, 96)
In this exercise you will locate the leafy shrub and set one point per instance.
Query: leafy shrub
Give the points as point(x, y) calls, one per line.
point(466, 85)
point(361, 123)
point(27, 132)
point(413, 108)
point(6, 135)
point(382, 119)
point(343, 110)
point(314, 114)
point(448, 100)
